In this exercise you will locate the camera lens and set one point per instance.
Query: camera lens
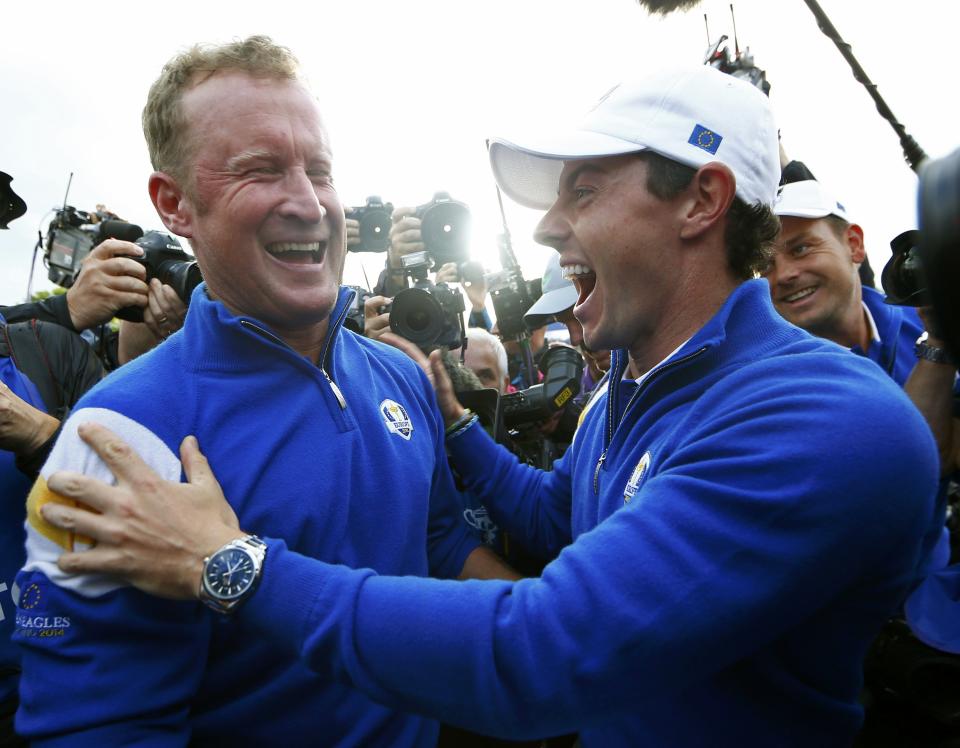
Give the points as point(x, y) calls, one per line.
point(375, 230)
point(417, 316)
point(445, 228)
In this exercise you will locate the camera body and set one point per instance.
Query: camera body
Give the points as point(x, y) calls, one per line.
point(512, 299)
point(517, 419)
point(164, 259)
point(445, 229)
point(902, 277)
point(427, 314)
point(939, 250)
point(562, 369)
point(355, 320)
point(73, 233)
point(374, 218)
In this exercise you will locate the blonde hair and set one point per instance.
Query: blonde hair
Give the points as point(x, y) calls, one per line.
point(164, 123)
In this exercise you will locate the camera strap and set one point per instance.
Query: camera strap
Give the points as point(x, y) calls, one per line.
point(22, 343)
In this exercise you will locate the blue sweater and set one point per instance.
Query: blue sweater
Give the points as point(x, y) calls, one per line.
point(899, 327)
point(364, 484)
point(14, 486)
point(734, 533)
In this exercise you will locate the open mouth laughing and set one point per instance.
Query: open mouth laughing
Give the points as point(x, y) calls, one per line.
point(298, 253)
point(583, 278)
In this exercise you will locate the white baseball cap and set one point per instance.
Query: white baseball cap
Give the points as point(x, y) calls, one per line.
point(559, 293)
point(808, 199)
point(693, 116)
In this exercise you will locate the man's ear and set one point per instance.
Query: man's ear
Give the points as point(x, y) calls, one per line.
point(854, 239)
point(711, 192)
point(173, 206)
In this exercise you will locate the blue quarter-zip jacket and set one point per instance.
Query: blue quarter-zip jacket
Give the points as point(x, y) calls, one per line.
point(899, 327)
point(352, 473)
point(733, 533)
point(14, 486)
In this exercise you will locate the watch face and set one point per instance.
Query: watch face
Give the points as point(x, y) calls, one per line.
point(229, 573)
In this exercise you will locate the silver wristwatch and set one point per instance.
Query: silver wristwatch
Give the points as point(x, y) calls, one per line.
point(932, 353)
point(231, 573)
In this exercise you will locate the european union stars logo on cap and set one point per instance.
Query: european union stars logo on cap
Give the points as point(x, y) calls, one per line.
point(706, 139)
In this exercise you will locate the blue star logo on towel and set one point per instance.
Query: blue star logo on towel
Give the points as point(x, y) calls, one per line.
point(707, 140)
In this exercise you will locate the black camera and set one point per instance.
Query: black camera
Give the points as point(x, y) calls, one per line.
point(939, 250)
point(428, 314)
point(902, 276)
point(512, 298)
point(374, 218)
point(516, 420)
point(355, 318)
point(445, 229)
point(165, 260)
point(73, 233)
point(562, 368)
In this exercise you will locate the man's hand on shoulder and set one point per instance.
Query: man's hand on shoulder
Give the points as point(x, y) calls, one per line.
point(151, 532)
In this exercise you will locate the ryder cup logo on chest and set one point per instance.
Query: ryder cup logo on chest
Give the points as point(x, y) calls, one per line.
point(633, 485)
point(396, 419)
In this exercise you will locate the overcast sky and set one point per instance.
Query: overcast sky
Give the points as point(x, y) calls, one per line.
point(411, 89)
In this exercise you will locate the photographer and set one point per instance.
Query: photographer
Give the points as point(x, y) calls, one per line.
point(405, 239)
point(486, 357)
point(108, 282)
point(476, 290)
point(163, 315)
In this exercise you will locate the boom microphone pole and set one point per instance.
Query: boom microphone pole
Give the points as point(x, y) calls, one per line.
point(912, 152)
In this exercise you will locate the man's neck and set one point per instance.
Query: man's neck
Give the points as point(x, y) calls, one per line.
point(854, 331)
point(308, 342)
point(694, 307)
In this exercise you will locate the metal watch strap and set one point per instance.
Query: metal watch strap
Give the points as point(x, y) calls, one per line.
point(258, 550)
point(933, 353)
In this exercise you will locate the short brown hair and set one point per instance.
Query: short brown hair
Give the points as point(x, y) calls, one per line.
point(751, 229)
point(837, 224)
point(164, 124)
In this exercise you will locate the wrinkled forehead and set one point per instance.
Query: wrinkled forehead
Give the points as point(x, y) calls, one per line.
point(236, 103)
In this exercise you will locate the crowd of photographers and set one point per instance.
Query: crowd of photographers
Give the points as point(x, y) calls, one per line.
point(529, 377)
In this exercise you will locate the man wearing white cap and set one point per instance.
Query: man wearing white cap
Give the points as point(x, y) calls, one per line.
point(815, 284)
point(732, 530)
point(556, 303)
